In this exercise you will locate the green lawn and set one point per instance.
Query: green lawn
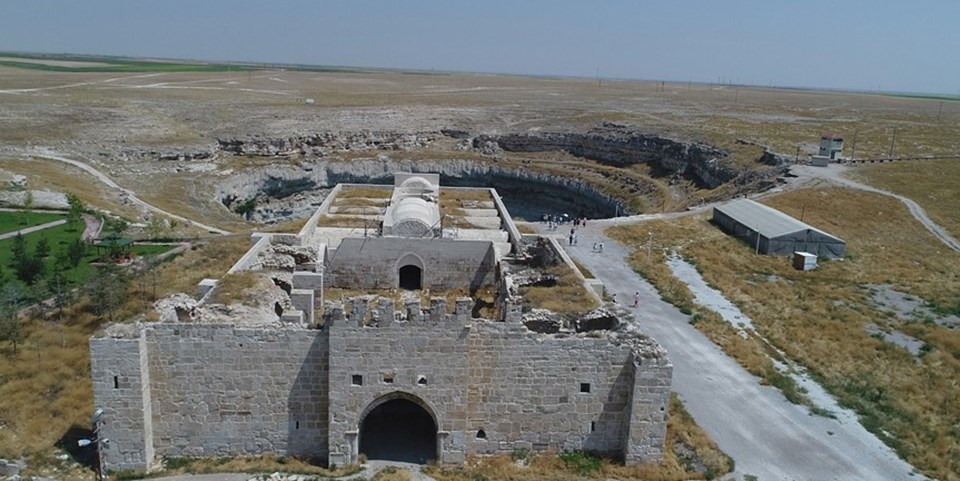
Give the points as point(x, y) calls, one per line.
point(59, 238)
point(14, 221)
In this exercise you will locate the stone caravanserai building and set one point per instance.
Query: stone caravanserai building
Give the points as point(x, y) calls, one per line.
point(285, 370)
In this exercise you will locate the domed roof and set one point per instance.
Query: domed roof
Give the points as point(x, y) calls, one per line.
point(413, 208)
point(416, 183)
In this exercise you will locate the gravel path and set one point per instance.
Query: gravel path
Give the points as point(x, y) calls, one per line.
point(46, 154)
point(35, 228)
point(767, 436)
point(834, 173)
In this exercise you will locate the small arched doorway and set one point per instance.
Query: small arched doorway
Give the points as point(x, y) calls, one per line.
point(411, 277)
point(399, 429)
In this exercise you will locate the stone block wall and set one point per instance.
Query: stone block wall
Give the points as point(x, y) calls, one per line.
point(646, 432)
point(201, 390)
point(427, 359)
point(121, 387)
point(528, 391)
point(373, 262)
point(521, 389)
point(220, 390)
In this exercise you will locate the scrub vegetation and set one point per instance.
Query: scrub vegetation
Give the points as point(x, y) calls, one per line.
point(818, 318)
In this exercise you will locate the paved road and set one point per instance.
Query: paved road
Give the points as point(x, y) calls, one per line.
point(767, 436)
point(46, 154)
point(33, 229)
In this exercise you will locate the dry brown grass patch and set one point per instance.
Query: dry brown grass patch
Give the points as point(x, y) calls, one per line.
point(934, 184)
point(237, 288)
point(365, 192)
point(208, 259)
point(817, 318)
point(568, 296)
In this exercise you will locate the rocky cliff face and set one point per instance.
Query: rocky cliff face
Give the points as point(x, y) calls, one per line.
point(324, 143)
point(280, 193)
point(620, 146)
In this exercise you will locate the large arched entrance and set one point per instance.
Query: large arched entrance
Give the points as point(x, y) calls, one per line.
point(411, 277)
point(399, 429)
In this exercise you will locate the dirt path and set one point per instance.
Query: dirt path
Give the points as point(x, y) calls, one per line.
point(46, 154)
point(92, 227)
point(35, 228)
point(767, 436)
point(834, 174)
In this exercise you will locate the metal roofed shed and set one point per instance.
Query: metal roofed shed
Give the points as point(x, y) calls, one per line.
point(774, 233)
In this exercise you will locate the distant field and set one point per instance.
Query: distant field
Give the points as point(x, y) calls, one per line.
point(934, 184)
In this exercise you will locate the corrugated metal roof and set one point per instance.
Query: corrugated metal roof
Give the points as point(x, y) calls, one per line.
point(770, 222)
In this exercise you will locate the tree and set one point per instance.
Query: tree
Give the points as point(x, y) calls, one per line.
point(75, 210)
point(155, 227)
point(27, 205)
point(42, 249)
point(108, 290)
point(75, 252)
point(19, 248)
point(11, 329)
point(27, 268)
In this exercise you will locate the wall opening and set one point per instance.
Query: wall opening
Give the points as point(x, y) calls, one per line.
point(356, 380)
point(585, 387)
point(411, 278)
point(481, 434)
point(399, 430)
point(421, 380)
point(116, 382)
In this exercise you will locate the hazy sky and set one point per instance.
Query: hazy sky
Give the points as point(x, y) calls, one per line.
point(853, 44)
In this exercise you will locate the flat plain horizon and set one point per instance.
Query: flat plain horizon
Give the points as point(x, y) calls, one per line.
point(853, 45)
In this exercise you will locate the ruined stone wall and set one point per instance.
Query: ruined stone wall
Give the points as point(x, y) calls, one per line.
point(121, 387)
point(372, 262)
point(528, 391)
point(521, 389)
point(220, 390)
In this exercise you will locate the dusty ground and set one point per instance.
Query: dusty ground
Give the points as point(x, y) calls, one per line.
point(106, 119)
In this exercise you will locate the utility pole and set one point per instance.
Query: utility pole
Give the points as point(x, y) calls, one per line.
point(892, 140)
point(650, 249)
point(853, 154)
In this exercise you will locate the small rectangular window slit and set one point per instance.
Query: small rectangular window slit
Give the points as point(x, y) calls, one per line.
point(357, 380)
point(298, 425)
point(388, 378)
point(116, 382)
point(585, 387)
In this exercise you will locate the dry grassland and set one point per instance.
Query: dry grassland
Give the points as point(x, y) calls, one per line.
point(912, 179)
point(817, 318)
point(45, 390)
point(569, 295)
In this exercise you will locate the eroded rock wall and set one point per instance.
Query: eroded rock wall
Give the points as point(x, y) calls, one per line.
point(621, 147)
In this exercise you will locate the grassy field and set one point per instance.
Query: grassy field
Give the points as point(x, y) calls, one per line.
point(818, 318)
point(913, 179)
point(58, 238)
point(76, 63)
point(14, 221)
